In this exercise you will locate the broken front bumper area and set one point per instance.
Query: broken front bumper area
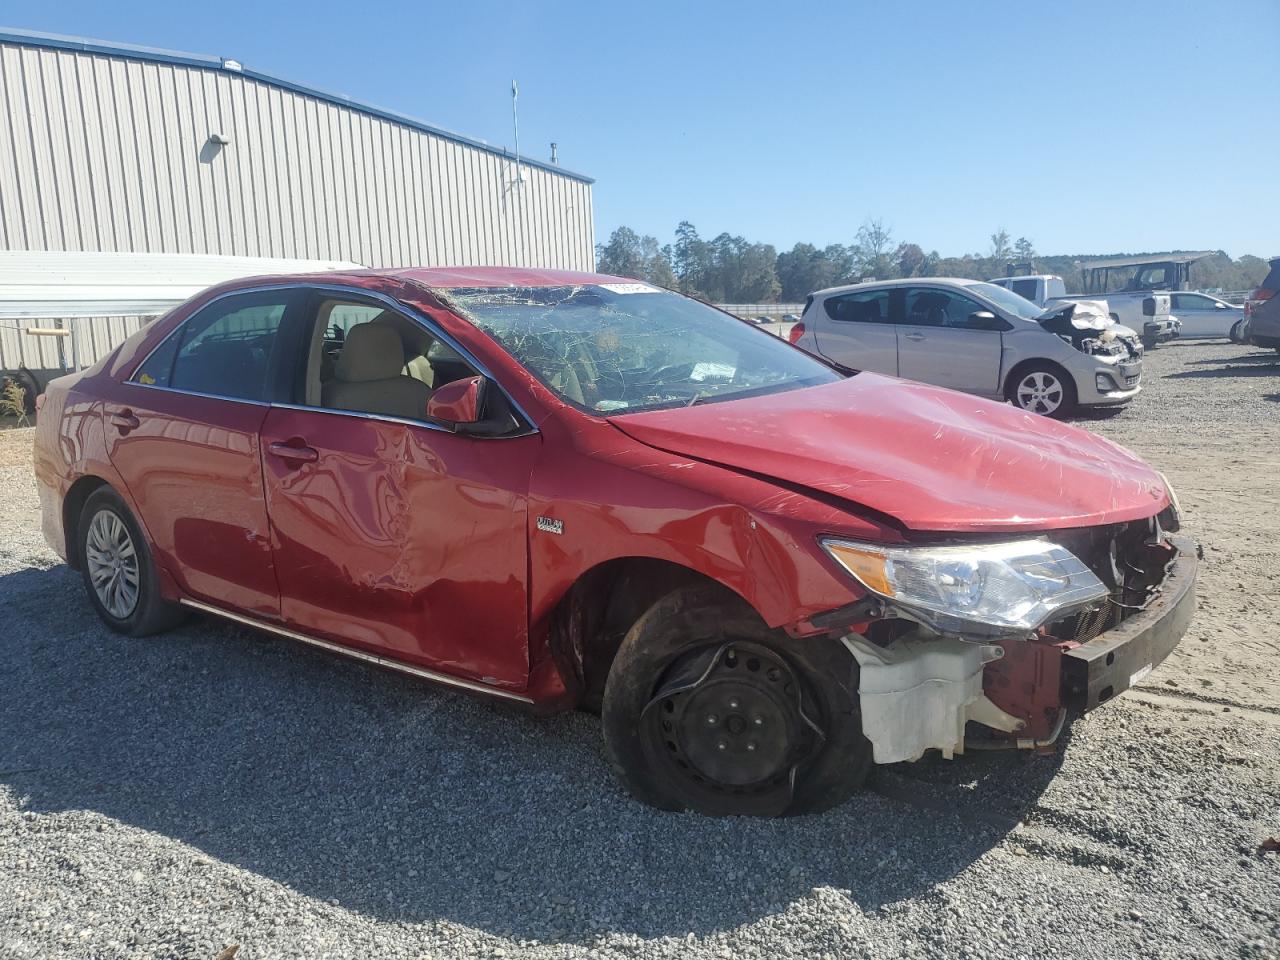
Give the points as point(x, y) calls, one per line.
point(925, 691)
point(1114, 661)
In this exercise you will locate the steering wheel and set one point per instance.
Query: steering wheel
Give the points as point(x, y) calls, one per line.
point(671, 373)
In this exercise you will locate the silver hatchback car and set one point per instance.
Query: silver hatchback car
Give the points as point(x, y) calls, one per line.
point(976, 337)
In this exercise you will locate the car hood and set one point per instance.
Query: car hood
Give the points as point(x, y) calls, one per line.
point(930, 459)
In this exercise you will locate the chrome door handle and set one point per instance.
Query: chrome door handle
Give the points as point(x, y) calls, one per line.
point(287, 451)
point(915, 336)
point(124, 421)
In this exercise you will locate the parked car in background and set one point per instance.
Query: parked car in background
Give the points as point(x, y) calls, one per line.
point(1202, 315)
point(976, 337)
point(1146, 312)
point(554, 488)
point(1262, 311)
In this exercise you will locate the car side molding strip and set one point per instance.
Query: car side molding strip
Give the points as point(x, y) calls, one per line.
point(420, 672)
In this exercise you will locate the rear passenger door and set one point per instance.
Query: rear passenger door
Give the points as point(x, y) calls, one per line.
point(856, 329)
point(183, 433)
point(941, 341)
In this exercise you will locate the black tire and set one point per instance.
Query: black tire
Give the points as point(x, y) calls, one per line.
point(1066, 402)
point(150, 612)
point(698, 654)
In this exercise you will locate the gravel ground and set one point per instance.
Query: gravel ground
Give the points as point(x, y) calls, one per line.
point(172, 797)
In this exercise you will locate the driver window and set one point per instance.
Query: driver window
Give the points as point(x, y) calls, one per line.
point(368, 358)
point(940, 308)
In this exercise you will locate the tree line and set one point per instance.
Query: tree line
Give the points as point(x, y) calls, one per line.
point(730, 269)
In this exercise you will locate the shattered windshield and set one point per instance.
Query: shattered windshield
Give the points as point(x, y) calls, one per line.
point(622, 347)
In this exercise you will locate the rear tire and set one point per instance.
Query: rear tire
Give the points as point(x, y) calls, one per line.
point(1044, 389)
point(707, 709)
point(119, 572)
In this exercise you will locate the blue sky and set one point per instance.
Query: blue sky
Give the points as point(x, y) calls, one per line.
point(1087, 127)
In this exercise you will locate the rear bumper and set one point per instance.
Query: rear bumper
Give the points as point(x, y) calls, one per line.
point(1111, 663)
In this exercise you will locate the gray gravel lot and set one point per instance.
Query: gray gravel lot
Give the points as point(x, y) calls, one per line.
point(171, 797)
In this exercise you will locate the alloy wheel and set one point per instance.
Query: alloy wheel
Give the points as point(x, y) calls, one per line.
point(1039, 392)
point(112, 561)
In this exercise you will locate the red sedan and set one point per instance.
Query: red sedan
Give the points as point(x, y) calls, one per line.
point(565, 489)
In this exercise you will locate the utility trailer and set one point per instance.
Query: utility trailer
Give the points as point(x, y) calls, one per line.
point(63, 311)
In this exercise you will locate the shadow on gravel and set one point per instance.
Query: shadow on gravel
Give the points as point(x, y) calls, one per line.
point(405, 803)
point(1250, 365)
point(1262, 356)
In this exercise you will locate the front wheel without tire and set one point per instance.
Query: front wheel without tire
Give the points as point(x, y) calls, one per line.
point(707, 709)
point(119, 574)
point(1044, 390)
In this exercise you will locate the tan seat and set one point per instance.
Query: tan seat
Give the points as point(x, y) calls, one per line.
point(368, 378)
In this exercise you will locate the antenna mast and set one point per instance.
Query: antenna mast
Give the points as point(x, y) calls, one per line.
point(515, 125)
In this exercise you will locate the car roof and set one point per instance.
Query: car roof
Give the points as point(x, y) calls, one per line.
point(446, 278)
point(905, 282)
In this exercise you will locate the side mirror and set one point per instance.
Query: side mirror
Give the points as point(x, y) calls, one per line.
point(985, 320)
point(459, 402)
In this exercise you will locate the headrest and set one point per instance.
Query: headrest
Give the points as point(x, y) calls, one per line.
point(372, 351)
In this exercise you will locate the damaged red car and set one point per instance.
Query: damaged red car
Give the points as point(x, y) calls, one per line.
point(565, 489)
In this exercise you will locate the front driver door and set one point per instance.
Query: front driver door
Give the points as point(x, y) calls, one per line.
point(940, 343)
point(395, 535)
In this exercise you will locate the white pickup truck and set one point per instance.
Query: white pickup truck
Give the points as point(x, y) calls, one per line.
point(1145, 311)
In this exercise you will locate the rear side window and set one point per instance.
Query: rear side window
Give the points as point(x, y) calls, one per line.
point(1273, 278)
point(1024, 288)
point(869, 307)
point(224, 349)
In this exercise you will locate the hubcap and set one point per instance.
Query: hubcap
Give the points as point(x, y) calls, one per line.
point(732, 720)
point(1040, 393)
point(112, 562)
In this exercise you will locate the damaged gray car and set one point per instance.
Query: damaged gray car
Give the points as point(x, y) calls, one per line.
point(977, 337)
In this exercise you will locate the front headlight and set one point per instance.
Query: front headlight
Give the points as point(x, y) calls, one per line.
point(1008, 587)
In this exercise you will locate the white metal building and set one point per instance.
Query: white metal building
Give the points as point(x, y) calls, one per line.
point(107, 147)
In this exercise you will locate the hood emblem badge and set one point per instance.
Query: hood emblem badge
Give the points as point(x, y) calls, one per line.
point(548, 525)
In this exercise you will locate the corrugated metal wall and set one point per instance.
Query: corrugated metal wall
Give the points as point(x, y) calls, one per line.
point(95, 338)
point(102, 152)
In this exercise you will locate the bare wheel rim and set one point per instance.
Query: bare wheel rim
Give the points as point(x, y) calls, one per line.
point(1040, 392)
point(112, 561)
point(732, 722)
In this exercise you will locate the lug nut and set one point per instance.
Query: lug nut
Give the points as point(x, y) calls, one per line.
point(758, 721)
point(751, 746)
point(712, 719)
point(722, 745)
point(733, 704)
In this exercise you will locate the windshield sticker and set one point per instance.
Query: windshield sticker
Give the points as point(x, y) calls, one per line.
point(629, 288)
